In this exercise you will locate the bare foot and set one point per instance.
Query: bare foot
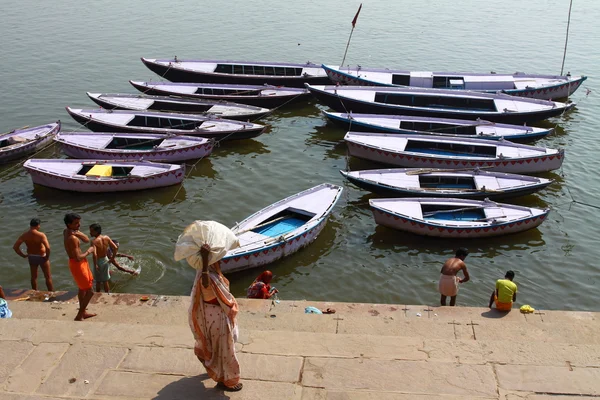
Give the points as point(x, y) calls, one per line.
point(235, 388)
point(88, 315)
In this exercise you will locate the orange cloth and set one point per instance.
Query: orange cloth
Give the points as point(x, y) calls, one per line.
point(215, 328)
point(502, 306)
point(81, 273)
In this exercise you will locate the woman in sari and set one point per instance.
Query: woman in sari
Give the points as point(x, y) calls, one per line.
point(261, 287)
point(212, 318)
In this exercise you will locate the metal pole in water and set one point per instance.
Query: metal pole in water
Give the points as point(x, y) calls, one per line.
point(566, 38)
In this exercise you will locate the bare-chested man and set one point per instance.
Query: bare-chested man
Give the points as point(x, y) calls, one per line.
point(448, 285)
point(78, 263)
point(38, 253)
point(102, 244)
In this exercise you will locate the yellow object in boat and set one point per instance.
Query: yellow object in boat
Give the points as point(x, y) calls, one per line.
point(100, 170)
point(526, 309)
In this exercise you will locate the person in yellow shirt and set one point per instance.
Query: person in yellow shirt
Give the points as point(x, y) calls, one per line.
point(505, 293)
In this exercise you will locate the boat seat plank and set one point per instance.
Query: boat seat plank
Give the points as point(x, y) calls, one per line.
point(113, 118)
point(136, 103)
point(252, 239)
point(490, 182)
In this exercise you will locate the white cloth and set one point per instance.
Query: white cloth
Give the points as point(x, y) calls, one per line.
point(219, 237)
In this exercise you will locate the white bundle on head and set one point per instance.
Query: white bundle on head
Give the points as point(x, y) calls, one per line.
point(219, 237)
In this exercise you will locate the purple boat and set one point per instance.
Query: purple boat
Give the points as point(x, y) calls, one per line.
point(22, 142)
point(103, 176)
point(255, 95)
point(125, 121)
point(238, 72)
point(437, 103)
point(535, 86)
point(215, 108)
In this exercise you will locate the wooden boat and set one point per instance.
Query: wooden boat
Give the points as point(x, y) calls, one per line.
point(545, 87)
point(404, 124)
point(472, 184)
point(217, 108)
point(281, 228)
point(134, 146)
point(22, 142)
point(455, 218)
point(129, 121)
point(238, 72)
point(103, 176)
point(438, 103)
point(254, 95)
point(418, 151)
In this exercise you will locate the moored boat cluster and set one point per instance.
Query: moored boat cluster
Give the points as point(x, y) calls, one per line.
point(456, 138)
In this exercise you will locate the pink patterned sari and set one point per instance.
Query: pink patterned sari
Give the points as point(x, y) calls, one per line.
point(215, 328)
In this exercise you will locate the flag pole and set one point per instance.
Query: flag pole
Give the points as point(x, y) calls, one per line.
point(349, 38)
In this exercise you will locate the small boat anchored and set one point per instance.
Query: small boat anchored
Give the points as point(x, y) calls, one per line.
point(25, 141)
point(404, 124)
point(126, 121)
point(267, 96)
point(134, 146)
point(437, 103)
point(455, 218)
point(536, 86)
point(471, 184)
point(419, 151)
point(282, 228)
point(103, 176)
point(238, 72)
point(216, 108)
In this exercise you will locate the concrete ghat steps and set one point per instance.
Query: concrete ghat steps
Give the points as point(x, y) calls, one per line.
point(142, 350)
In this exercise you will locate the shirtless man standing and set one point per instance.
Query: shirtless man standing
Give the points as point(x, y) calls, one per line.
point(78, 263)
point(448, 285)
point(102, 244)
point(38, 253)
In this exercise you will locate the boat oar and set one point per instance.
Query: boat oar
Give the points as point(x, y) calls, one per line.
point(429, 214)
point(265, 224)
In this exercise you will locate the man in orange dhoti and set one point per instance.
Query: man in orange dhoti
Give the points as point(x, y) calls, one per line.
point(212, 318)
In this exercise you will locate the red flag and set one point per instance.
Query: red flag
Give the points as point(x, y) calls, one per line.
point(356, 16)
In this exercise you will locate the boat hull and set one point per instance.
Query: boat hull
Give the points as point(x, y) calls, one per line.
point(542, 163)
point(548, 92)
point(433, 228)
point(400, 223)
point(272, 253)
point(168, 105)
point(258, 101)
point(168, 156)
point(347, 105)
point(180, 75)
point(18, 152)
point(386, 190)
point(100, 185)
point(356, 125)
point(99, 126)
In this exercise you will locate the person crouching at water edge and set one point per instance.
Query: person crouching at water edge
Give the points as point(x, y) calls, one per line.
point(212, 318)
point(448, 284)
point(78, 264)
point(505, 293)
point(261, 287)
